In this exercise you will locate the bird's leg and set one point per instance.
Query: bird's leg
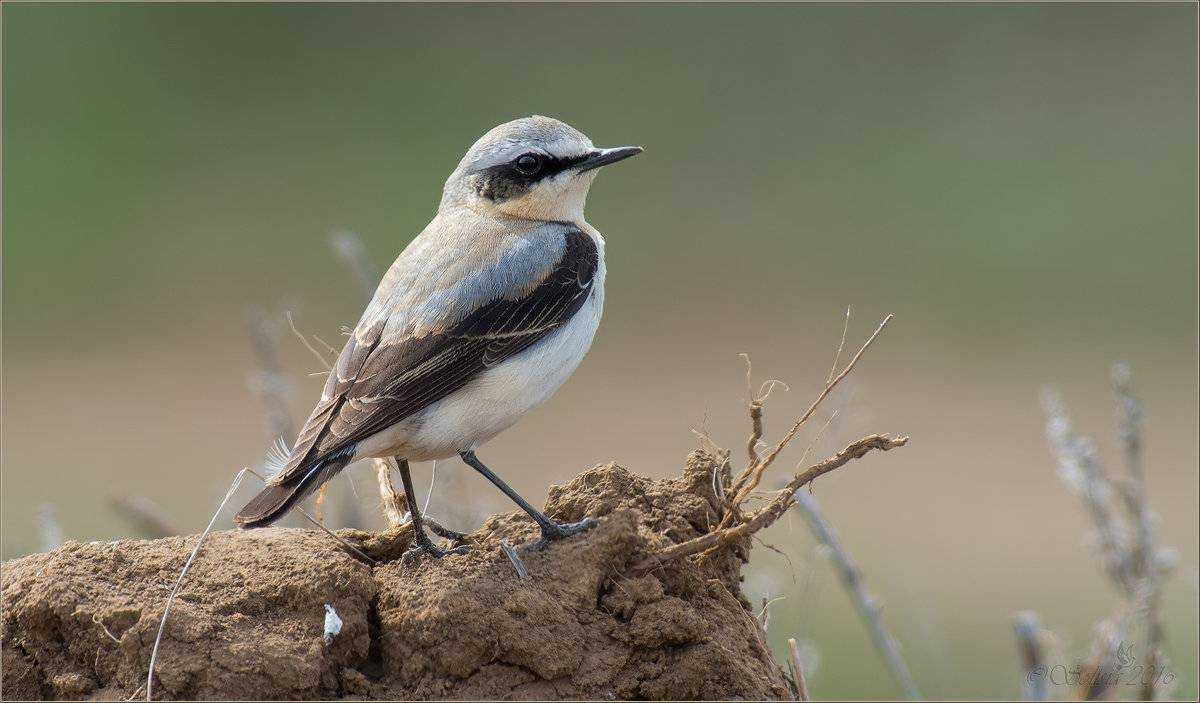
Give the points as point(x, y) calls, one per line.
point(550, 530)
point(424, 544)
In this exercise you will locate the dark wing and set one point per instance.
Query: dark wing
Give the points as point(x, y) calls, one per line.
point(378, 382)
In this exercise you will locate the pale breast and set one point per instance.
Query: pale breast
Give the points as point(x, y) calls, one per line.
point(499, 396)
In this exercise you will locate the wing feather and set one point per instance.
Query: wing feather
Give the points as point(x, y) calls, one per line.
point(379, 381)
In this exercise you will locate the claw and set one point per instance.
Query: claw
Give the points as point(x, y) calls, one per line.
point(425, 546)
point(561, 531)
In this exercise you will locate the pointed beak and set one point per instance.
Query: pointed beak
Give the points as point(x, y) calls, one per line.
point(604, 157)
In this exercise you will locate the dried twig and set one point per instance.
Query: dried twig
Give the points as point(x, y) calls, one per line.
point(1030, 646)
point(326, 364)
point(1142, 556)
point(752, 476)
point(764, 613)
point(837, 358)
point(1080, 470)
point(146, 516)
point(755, 407)
point(1126, 543)
point(395, 508)
point(864, 602)
point(96, 619)
point(1103, 668)
point(775, 509)
point(319, 503)
point(797, 669)
point(350, 547)
point(518, 565)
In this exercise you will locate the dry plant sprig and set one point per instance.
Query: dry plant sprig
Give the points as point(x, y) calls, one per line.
point(96, 619)
point(1125, 538)
point(394, 507)
point(162, 624)
point(1080, 470)
point(775, 509)
point(1030, 636)
point(518, 565)
point(1101, 672)
point(755, 406)
point(797, 670)
point(1143, 558)
point(752, 476)
point(866, 604)
point(764, 614)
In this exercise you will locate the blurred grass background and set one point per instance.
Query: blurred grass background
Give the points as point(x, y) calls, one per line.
point(1016, 182)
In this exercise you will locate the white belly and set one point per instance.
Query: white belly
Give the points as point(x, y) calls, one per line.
point(495, 399)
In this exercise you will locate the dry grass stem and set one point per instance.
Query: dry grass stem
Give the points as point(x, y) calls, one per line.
point(96, 619)
point(1079, 469)
point(864, 602)
point(162, 624)
point(1125, 538)
point(319, 503)
point(395, 508)
point(797, 670)
point(755, 407)
point(1100, 673)
point(346, 545)
point(326, 364)
point(321, 526)
point(1142, 555)
point(1030, 647)
point(752, 476)
point(518, 565)
point(782, 500)
point(837, 358)
point(764, 614)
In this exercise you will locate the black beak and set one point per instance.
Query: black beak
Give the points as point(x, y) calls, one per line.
point(604, 157)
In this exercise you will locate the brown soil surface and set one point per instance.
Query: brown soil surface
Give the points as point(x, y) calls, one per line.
point(79, 622)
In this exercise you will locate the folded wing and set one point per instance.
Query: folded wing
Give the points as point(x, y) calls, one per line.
point(383, 377)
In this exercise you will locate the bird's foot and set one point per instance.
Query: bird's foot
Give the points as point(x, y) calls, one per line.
point(426, 546)
point(557, 531)
point(457, 538)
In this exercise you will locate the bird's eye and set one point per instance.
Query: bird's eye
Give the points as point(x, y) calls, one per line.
point(529, 164)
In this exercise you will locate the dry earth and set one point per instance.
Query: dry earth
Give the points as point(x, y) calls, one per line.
point(79, 622)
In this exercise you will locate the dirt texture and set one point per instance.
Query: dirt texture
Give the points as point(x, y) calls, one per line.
point(80, 622)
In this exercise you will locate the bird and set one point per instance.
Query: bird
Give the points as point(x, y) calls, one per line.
point(480, 319)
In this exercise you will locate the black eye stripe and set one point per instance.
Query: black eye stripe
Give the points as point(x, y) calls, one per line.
point(505, 181)
point(549, 166)
point(558, 164)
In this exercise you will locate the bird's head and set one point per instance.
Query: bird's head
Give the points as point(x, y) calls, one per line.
point(534, 168)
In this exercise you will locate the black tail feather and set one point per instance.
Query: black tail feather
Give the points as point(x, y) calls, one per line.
point(274, 501)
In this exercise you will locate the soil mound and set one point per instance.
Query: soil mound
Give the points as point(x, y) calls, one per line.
point(80, 622)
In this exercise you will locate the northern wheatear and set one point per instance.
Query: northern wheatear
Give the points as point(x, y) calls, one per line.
point(480, 319)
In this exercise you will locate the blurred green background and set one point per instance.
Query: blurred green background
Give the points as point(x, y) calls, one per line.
point(1015, 182)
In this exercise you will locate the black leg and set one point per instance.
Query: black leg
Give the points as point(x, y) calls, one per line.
point(424, 544)
point(550, 529)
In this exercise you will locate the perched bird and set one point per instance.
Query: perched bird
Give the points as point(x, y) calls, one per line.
point(479, 320)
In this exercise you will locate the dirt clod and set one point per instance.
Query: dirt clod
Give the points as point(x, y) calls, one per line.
point(249, 619)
